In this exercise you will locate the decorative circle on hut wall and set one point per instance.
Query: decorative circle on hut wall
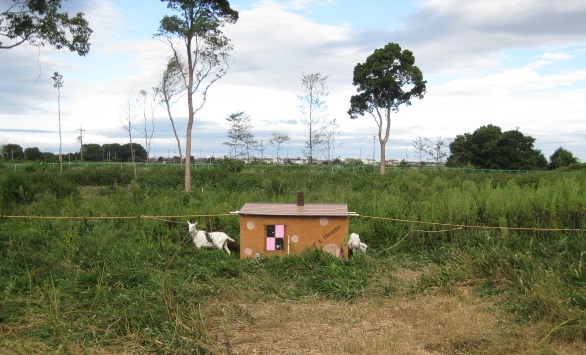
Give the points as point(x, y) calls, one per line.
point(332, 249)
point(250, 225)
point(248, 251)
point(323, 221)
point(294, 239)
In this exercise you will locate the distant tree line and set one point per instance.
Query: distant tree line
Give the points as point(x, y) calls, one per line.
point(488, 147)
point(113, 152)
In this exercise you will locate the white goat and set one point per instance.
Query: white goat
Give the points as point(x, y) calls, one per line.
point(354, 243)
point(203, 239)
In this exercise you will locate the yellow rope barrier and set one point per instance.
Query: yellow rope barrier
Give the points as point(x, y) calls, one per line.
point(117, 217)
point(476, 227)
point(450, 225)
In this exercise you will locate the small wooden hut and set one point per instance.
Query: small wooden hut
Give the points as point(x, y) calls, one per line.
point(289, 228)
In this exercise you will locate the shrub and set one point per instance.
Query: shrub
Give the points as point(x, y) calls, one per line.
point(18, 188)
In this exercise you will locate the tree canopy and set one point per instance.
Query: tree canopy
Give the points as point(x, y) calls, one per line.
point(561, 158)
point(11, 151)
point(122, 153)
point(388, 79)
point(490, 148)
point(40, 22)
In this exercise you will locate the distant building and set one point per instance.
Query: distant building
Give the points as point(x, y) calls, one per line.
point(368, 161)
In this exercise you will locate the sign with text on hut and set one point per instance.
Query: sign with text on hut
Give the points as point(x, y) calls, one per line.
point(289, 228)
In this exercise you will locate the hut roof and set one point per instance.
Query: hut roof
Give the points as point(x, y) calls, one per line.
point(292, 209)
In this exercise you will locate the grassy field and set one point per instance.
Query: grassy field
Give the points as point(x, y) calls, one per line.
point(458, 263)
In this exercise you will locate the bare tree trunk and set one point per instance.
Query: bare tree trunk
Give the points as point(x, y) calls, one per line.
point(386, 122)
point(191, 115)
point(383, 142)
point(60, 140)
point(132, 153)
point(126, 116)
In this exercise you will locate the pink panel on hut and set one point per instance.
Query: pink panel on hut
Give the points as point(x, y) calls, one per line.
point(270, 243)
point(280, 231)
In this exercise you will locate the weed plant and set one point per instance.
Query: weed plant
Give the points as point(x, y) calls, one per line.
point(137, 284)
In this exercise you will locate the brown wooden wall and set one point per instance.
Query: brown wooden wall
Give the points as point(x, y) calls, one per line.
point(299, 233)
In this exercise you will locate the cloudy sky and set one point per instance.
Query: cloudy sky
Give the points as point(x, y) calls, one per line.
point(517, 64)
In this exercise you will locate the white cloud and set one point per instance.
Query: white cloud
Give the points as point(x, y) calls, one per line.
point(550, 56)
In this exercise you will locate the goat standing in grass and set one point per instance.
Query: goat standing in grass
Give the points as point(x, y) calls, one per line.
point(354, 243)
point(203, 239)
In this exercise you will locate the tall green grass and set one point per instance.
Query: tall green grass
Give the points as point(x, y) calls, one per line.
point(106, 283)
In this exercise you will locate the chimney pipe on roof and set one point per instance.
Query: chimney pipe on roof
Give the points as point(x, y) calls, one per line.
point(300, 199)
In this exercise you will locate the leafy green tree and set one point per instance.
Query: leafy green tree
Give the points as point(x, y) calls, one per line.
point(12, 152)
point(114, 152)
point(140, 153)
point(92, 152)
point(490, 148)
point(388, 79)
point(561, 158)
point(49, 157)
point(461, 149)
point(198, 26)
point(484, 149)
point(515, 152)
point(32, 154)
point(40, 22)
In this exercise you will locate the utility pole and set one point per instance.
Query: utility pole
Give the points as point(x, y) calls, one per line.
point(58, 83)
point(80, 138)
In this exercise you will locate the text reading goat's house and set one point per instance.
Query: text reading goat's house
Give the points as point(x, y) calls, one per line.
point(289, 228)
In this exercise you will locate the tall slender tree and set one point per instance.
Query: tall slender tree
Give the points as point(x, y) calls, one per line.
point(127, 115)
point(437, 149)
point(330, 139)
point(58, 84)
point(313, 107)
point(388, 79)
point(169, 91)
point(198, 27)
point(420, 144)
point(278, 139)
point(147, 103)
point(240, 134)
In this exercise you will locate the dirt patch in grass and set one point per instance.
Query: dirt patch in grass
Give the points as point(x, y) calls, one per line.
point(426, 325)
point(458, 323)
point(408, 276)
